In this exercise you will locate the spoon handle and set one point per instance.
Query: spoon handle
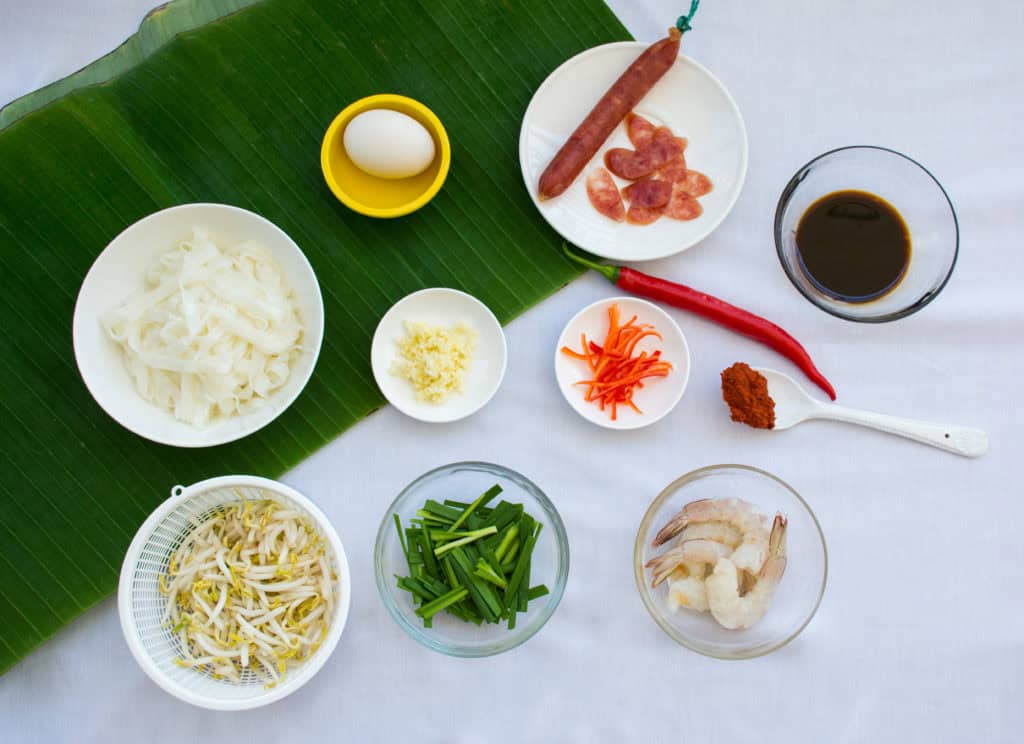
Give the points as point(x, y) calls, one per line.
point(963, 440)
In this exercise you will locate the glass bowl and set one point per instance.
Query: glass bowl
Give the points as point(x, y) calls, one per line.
point(464, 481)
point(798, 594)
point(917, 196)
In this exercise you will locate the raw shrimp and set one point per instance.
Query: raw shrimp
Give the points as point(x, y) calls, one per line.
point(688, 551)
point(722, 587)
point(753, 526)
point(686, 587)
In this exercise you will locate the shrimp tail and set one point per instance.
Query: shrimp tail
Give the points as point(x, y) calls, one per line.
point(677, 524)
point(689, 552)
point(663, 565)
point(775, 565)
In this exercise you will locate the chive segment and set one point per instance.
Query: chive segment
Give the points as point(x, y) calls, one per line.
point(482, 500)
point(470, 537)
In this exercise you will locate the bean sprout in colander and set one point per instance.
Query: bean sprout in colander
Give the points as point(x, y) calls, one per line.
point(250, 591)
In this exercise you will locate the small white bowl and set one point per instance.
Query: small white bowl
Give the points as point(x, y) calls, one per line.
point(443, 307)
point(140, 604)
point(119, 272)
point(658, 396)
point(688, 99)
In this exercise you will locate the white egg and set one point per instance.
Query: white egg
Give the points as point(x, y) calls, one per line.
point(388, 144)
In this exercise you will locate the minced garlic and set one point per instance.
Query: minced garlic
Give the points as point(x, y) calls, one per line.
point(434, 359)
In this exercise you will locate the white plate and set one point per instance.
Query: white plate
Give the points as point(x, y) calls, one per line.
point(688, 99)
point(119, 273)
point(658, 396)
point(442, 307)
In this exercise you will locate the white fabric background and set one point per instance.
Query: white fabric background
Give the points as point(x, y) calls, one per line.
point(919, 637)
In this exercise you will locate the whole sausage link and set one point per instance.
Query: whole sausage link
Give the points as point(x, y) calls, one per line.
point(595, 129)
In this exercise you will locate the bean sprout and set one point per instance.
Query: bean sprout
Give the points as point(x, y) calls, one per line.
point(249, 592)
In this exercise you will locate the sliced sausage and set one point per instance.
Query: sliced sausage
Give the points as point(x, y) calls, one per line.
point(643, 215)
point(639, 129)
point(663, 148)
point(648, 193)
point(681, 205)
point(604, 195)
point(628, 164)
point(695, 183)
point(673, 170)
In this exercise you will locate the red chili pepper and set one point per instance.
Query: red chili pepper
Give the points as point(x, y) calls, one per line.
point(712, 308)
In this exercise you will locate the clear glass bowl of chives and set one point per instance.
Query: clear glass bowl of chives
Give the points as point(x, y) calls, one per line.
point(471, 559)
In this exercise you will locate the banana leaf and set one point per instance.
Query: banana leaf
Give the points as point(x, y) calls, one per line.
point(226, 101)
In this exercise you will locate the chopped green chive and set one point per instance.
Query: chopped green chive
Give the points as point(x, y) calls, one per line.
point(536, 592)
point(430, 609)
point(506, 542)
point(470, 560)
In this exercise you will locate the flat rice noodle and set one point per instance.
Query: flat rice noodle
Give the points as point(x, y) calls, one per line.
point(199, 339)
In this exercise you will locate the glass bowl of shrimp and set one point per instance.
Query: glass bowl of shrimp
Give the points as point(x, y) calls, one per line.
point(730, 562)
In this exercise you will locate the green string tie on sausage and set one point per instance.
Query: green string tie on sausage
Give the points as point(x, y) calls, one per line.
point(683, 24)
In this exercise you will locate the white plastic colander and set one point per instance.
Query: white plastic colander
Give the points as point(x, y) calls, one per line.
point(141, 605)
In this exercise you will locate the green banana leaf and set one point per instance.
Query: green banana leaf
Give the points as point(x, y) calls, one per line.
point(226, 101)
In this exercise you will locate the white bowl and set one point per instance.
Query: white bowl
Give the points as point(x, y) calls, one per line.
point(141, 606)
point(658, 396)
point(442, 307)
point(119, 272)
point(688, 99)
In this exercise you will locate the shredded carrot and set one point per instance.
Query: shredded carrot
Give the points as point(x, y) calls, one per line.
point(614, 372)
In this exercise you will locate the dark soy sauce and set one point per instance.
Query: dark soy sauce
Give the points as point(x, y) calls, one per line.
point(853, 245)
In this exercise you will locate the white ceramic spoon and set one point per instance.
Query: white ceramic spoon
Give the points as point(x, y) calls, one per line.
point(793, 405)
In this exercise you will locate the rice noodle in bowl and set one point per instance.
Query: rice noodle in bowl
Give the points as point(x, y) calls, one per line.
point(214, 333)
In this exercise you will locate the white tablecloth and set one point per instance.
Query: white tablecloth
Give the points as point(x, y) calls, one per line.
point(920, 634)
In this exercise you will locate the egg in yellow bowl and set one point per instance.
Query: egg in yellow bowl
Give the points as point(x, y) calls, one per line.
point(385, 155)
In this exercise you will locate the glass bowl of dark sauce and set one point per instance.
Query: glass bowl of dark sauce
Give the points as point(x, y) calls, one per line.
point(866, 234)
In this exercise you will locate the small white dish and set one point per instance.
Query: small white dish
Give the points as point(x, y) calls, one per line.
point(688, 99)
point(658, 396)
point(119, 272)
point(442, 307)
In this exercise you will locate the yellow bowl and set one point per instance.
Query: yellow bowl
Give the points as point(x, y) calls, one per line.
point(384, 197)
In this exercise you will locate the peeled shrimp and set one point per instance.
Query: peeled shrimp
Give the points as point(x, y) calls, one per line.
point(720, 532)
point(688, 551)
point(704, 543)
point(686, 587)
point(722, 587)
point(741, 515)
